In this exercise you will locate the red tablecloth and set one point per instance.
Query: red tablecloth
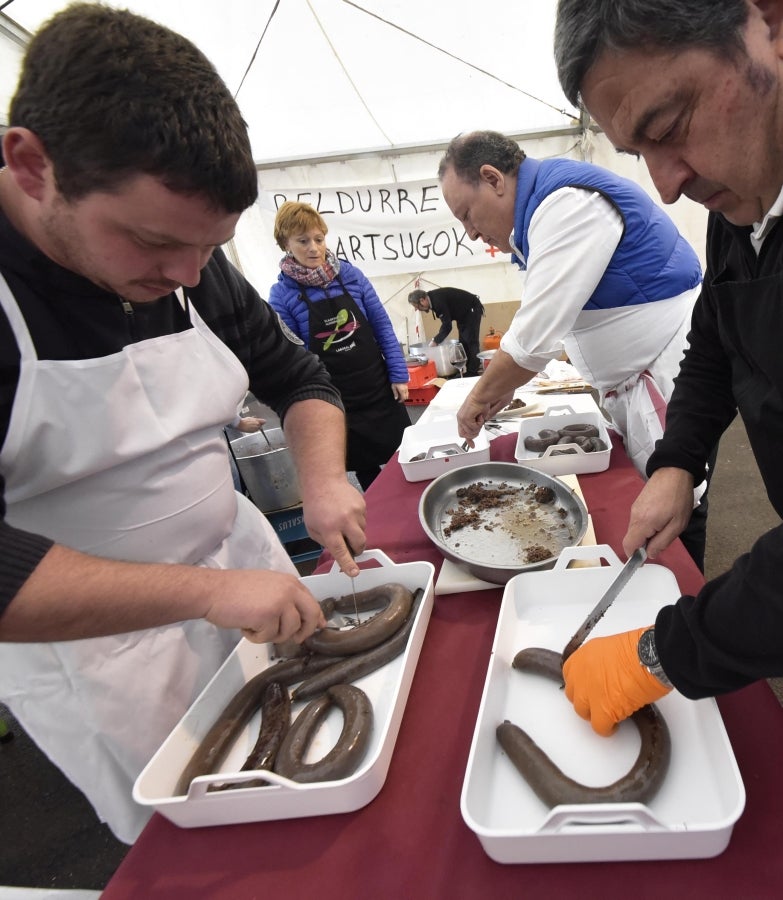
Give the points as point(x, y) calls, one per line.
point(411, 841)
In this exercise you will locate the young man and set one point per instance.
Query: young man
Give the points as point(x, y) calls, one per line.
point(696, 89)
point(127, 560)
point(450, 305)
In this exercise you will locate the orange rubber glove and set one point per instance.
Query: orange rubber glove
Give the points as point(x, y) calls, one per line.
point(606, 682)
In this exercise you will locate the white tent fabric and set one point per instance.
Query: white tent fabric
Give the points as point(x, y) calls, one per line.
point(340, 94)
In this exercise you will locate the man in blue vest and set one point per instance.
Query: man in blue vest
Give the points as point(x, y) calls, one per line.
point(608, 280)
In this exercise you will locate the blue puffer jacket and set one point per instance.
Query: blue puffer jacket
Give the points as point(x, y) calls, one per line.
point(285, 298)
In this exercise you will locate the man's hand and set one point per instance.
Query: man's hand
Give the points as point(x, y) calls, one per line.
point(474, 413)
point(494, 390)
point(606, 682)
point(65, 598)
point(660, 512)
point(335, 516)
point(334, 511)
point(266, 606)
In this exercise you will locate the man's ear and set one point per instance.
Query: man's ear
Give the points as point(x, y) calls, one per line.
point(27, 160)
point(494, 178)
point(772, 13)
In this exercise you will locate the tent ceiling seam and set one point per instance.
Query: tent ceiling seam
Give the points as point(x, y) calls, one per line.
point(347, 74)
point(458, 59)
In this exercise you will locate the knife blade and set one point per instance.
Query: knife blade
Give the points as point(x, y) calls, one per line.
point(635, 560)
point(353, 587)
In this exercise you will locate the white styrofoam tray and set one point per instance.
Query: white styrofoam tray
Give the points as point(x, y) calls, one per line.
point(557, 417)
point(692, 815)
point(387, 689)
point(438, 433)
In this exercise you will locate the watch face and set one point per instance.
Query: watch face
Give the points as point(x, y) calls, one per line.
point(648, 652)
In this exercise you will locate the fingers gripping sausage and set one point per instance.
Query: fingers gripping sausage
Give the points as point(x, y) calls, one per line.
point(360, 664)
point(398, 601)
point(551, 785)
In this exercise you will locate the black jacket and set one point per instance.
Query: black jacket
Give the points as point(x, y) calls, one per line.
point(731, 634)
point(453, 305)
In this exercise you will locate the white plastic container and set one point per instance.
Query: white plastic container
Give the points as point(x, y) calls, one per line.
point(427, 439)
point(702, 796)
point(387, 689)
point(580, 462)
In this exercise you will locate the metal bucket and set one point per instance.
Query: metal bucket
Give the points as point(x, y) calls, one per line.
point(439, 355)
point(269, 474)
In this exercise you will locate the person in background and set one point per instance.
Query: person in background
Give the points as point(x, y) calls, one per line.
point(334, 309)
point(696, 89)
point(248, 424)
point(129, 565)
point(609, 279)
point(451, 304)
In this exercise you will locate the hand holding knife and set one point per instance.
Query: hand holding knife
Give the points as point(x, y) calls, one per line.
point(635, 560)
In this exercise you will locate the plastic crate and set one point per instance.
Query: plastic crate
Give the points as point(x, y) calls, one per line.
point(421, 395)
point(418, 376)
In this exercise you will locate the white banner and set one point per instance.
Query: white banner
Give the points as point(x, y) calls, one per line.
point(388, 228)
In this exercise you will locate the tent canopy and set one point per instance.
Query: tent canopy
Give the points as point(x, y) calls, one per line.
point(361, 96)
point(321, 77)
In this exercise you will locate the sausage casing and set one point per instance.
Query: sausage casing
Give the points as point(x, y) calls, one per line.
point(346, 755)
point(551, 784)
point(356, 666)
point(331, 642)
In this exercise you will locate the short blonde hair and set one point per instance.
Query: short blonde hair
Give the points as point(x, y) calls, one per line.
point(296, 218)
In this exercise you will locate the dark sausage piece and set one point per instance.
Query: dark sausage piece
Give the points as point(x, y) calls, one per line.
point(353, 667)
point(275, 719)
point(218, 740)
point(551, 785)
point(545, 439)
point(346, 755)
point(332, 642)
point(584, 430)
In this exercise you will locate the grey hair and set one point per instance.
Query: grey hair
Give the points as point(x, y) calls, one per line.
point(467, 153)
point(586, 28)
point(415, 296)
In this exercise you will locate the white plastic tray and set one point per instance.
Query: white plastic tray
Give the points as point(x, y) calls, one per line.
point(557, 417)
point(440, 432)
point(694, 812)
point(387, 689)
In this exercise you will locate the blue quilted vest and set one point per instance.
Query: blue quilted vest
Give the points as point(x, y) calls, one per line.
point(653, 261)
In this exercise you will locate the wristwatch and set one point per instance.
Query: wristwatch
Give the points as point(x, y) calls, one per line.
point(648, 657)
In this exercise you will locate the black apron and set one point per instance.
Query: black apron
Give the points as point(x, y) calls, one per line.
point(341, 336)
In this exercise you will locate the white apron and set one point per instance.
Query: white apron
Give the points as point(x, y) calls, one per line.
point(124, 457)
point(612, 349)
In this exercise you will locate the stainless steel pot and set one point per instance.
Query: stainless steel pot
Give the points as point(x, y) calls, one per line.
point(495, 550)
point(267, 469)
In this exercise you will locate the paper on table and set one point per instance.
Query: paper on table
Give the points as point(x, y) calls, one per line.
point(454, 578)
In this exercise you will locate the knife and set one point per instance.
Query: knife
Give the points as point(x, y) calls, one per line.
point(596, 613)
point(353, 586)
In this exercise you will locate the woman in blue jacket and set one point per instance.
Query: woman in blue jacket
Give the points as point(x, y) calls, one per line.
point(334, 309)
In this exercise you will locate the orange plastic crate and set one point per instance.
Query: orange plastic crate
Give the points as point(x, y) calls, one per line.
point(419, 375)
point(421, 395)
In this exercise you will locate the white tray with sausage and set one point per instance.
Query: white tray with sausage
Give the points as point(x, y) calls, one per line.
point(205, 799)
point(687, 810)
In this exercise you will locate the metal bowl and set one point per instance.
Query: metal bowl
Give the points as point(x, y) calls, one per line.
point(495, 551)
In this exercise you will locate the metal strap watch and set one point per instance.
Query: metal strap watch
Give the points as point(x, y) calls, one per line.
point(648, 657)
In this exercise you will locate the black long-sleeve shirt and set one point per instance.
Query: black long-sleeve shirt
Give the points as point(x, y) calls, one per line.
point(731, 633)
point(453, 305)
point(69, 317)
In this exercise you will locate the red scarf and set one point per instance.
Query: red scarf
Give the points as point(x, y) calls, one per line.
point(320, 276)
